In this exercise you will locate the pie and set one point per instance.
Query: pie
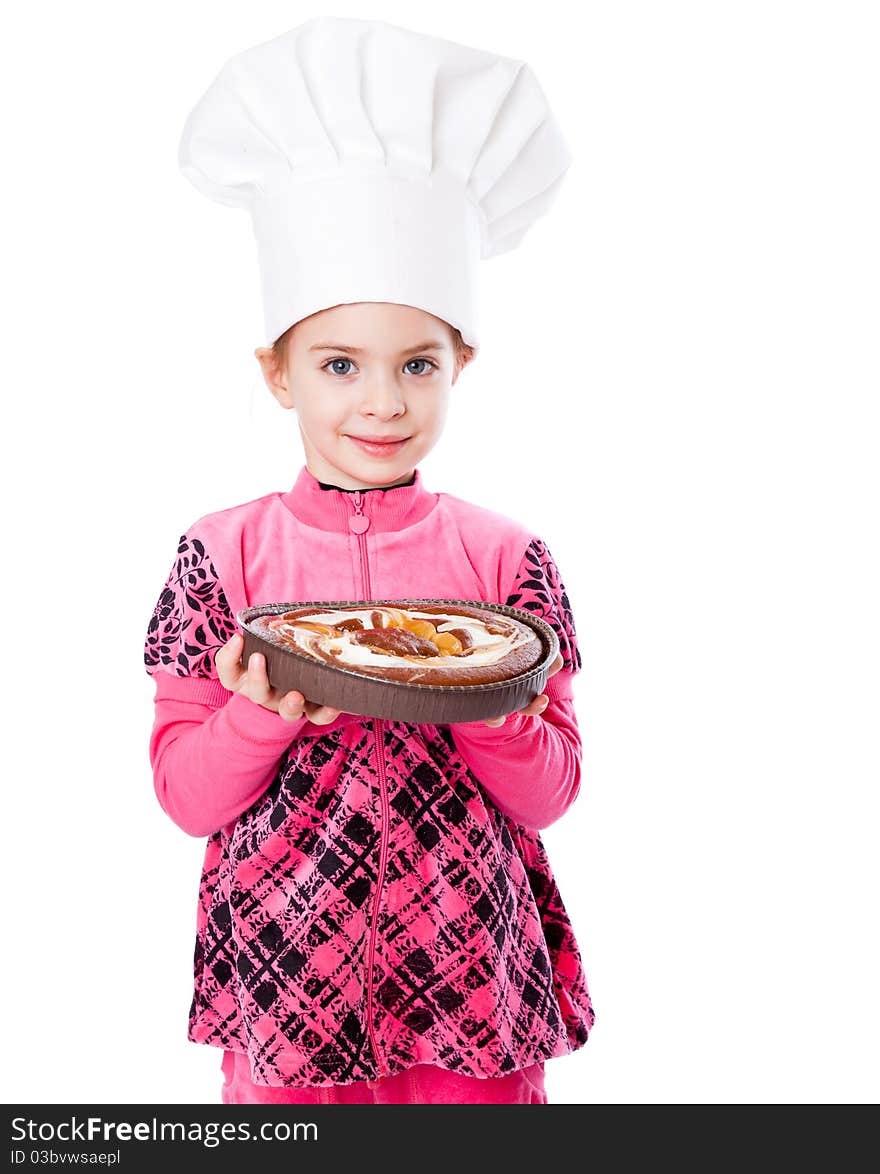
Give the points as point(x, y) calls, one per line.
point(428, 644)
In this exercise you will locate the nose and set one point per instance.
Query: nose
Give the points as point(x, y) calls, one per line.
point(382, 398)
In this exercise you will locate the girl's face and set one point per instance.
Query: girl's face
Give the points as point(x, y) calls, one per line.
point(370, 384)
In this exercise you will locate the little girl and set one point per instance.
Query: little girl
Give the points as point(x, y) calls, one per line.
point(377, 920)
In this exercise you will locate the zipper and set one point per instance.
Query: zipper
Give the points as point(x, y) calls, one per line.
point(359, 524)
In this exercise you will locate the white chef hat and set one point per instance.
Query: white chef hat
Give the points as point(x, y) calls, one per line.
point(378, 164)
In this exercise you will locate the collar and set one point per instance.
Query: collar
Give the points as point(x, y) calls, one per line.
point(333, 509)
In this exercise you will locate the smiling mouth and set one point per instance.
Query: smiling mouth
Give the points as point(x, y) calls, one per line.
point(383, 446)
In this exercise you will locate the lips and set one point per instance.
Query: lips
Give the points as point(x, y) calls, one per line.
point(379, 446)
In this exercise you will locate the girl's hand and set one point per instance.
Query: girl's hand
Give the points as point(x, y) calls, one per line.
point(538, 704)
point(253, 682)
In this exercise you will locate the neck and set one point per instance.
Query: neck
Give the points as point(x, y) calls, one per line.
point(326, 481)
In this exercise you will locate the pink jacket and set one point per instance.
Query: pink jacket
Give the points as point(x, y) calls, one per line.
point(374, 894)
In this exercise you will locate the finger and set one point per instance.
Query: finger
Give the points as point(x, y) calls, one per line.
point(495, 721)
point(536, 706)
point(231, 649)
point(228, 662)
point(258, 677)
point(321, 715)
point(558, 663)
point(292, 705)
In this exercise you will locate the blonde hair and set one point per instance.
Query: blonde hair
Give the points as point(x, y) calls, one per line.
point(462, 353)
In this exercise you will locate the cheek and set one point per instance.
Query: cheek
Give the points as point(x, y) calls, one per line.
point(434, 415)
point(321, 412)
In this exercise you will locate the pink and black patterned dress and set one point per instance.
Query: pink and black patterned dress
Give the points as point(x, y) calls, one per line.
point(374, 894)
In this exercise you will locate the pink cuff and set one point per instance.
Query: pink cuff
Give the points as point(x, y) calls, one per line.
point(511, 727)
point(259, 726)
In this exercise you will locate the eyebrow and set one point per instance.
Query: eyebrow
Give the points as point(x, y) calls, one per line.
point(355, 350)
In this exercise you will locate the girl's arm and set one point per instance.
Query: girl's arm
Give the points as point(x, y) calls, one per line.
point(213, 752)
point(531, 766)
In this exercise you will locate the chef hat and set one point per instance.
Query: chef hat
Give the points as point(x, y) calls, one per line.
point(377, 164)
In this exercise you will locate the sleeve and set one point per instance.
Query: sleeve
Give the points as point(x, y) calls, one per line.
point(531, 766)
point(213, 751)
point(191, 619)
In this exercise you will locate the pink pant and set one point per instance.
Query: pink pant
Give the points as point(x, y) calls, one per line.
point(424, 1084)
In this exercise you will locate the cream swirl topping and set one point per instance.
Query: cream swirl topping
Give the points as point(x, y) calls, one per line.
point(350, 646)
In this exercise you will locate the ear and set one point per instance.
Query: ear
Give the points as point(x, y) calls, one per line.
point(466, 356)
point(274, 376)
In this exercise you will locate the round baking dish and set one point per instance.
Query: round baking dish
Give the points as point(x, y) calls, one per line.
point(353, 692)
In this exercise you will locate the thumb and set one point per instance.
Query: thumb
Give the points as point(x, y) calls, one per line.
point(556, 665)
point(228, 662)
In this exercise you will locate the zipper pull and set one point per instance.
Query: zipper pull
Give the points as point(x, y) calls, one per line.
point(358, 523)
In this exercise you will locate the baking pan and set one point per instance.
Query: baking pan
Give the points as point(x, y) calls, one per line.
point(353, 692)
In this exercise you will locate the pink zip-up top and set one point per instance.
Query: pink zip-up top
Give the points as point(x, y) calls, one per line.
point(374, 894)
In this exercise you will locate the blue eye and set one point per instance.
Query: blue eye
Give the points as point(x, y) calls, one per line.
point(333, 362)
point(331, 366)
point(430, 362)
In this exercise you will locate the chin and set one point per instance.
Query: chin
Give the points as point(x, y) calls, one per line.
point(376, 477)
point(376, 471)
point(368, 474)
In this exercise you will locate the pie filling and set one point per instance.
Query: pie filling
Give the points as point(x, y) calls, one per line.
point(382, 636)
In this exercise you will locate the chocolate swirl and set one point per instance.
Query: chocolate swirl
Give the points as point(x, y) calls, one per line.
point(442, 644)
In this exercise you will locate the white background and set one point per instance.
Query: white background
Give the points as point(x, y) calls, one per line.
point(680, 377)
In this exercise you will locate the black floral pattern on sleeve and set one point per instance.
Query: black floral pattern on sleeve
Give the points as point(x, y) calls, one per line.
point(539, 589)
point(191, 619)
